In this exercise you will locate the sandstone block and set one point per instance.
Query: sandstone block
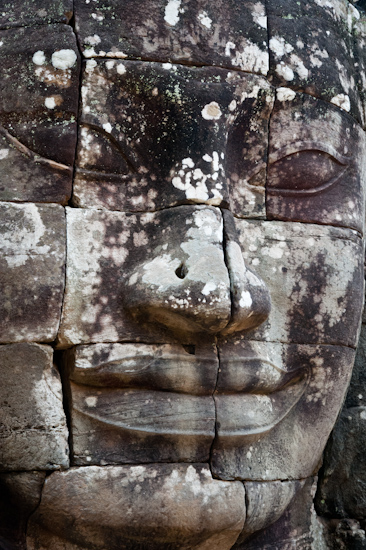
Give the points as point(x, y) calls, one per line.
point(314, 274)
point(276, 406)
point(39, 74)
point(152, 507)
point(224, 35)
point(314, 175)
point(33, 425)
point(32, 271)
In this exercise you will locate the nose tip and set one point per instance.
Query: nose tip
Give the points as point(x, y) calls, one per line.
point(250, 298)
point(188, 281)
point(183, 282)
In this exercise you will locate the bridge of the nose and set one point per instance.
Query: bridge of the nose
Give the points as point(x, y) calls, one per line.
point(181, 280)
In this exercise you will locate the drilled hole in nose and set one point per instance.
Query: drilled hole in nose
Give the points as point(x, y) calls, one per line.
point(181, 271)
point(190, 349)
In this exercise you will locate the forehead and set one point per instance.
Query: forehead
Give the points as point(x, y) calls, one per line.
point(305, 47)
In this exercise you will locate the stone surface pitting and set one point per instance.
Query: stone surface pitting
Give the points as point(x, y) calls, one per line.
point(32, 271)
point(207, 137)
point(33, 425)
point(169, 505)
point(225, 34)
point(39, 73)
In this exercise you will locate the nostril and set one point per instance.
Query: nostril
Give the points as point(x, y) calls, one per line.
point(181, 271)
point(190, 349)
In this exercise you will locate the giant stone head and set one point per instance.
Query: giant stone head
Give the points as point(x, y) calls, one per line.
point(182, 234)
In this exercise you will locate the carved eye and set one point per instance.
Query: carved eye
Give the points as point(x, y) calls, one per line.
point(305, 169)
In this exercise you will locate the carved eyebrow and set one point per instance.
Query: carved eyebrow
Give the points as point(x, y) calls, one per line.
point(31, 154)
point(299, 146)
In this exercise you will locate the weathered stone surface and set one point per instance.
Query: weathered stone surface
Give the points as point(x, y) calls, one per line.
point(18, 13)
point(314, 275)
point(227, 34)
point(315, 56)
point(335, 12)
point(356, 395)
point(360, 57)
point(39, 75)
point(296, 529)
point(33, 432)
point(166, 367)
point(314, 175)
point(32, 246)
point(100, 244)
point(208, 136)
point(276, 406)
point(152, 507)
point(346, 534)
point(20, 494)
point(266, 502)
point(342, 486)
point(126, 270)
point(131, 403)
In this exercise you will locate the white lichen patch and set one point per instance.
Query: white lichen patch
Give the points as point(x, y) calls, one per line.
point(208, 288)
point(194, 181)
point(97, 16)
point(90, 66)
point(250, 57)
point(63, 59)
point(172, 11)
point(24, 237)
point(342, 101)
point(107, 127)
point(204, 19)
point(50, 102)
point(285, 71)
point(228, 47)
point(4, 153)
point(285, 94)
point(52, 77)
point(211, 111)
point(121, 69)
point(91, 401)
point(279, 46)
point(93, 40)
point(245, 299)
point(259, 15)
point(39, 58)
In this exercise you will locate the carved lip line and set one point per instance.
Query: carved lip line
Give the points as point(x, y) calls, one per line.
point(255, 375)
point(238, 415)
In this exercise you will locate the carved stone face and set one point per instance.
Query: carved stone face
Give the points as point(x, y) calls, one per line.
point(214, 266)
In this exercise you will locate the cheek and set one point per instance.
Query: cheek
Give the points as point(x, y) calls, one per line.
point(315, 277)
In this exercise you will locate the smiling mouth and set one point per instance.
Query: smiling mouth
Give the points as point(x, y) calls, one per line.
point(165, 391)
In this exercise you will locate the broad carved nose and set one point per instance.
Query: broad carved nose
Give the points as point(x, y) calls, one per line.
point(191, 276)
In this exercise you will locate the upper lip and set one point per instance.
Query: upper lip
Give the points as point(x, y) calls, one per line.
point(146, 370)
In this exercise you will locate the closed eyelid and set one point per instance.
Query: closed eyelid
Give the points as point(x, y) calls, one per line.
point(315, 146)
